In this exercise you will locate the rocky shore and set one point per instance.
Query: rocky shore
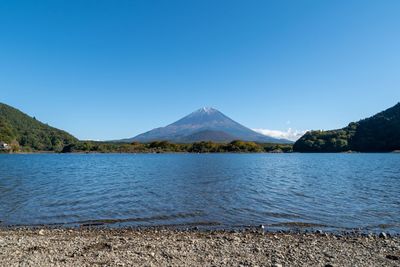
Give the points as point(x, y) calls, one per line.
point(169, 247)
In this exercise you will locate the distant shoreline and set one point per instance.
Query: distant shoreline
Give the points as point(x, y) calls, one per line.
point(132, 153)
point(171, 152)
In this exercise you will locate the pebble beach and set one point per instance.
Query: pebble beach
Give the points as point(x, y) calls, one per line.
point(172, 247)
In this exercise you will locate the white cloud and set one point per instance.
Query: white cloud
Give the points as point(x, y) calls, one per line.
point(290, 134)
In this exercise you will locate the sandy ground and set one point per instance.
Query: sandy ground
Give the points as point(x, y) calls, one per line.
point(167, 247)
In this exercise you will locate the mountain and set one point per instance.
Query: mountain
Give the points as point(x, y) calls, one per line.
point(23, 131)
point(216, 136)
point(205, 124)
point(379, 133)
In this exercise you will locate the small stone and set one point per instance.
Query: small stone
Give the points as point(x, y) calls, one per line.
point(319, 232)
point(328, 255)
point(276, 265)
point(383, 235)
point(41, 232)
point(328, 265)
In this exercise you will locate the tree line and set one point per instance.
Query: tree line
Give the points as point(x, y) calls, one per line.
point(168, 147)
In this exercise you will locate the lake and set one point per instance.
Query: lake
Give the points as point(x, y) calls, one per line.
point(331, 192)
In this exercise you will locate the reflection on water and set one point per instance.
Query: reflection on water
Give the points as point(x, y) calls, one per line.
point(332, 191)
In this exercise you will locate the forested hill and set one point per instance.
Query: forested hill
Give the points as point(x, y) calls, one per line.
point(28, 134)
point(379, 133)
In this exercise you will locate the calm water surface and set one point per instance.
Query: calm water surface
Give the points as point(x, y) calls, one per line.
point(281, 191)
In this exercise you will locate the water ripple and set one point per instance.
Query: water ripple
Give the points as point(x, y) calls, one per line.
point(332, 191)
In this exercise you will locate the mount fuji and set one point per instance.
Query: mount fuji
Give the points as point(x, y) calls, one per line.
point(205, 124)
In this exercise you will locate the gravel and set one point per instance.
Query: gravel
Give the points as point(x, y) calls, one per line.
point(171, 247)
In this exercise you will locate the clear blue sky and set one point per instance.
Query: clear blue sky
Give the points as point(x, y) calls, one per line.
point(113, 69)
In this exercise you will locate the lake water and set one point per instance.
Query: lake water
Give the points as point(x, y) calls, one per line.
point(281, 191)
